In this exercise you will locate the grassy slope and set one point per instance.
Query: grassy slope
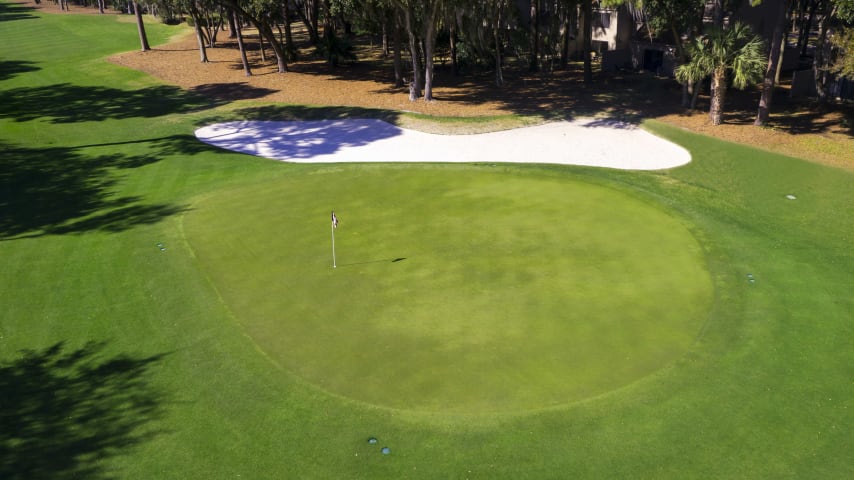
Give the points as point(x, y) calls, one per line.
point(764, 394)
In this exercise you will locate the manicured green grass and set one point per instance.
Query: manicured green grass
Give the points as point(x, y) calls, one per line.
point(458, 289)
point(174, 387)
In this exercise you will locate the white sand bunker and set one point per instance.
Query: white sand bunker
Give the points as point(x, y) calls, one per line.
point(590, 142)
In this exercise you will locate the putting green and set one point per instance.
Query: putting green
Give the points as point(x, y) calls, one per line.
point(458, 288)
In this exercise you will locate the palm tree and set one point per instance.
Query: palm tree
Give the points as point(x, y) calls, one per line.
point(720, 52)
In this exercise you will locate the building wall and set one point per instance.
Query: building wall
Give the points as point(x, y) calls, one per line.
point(613, 26)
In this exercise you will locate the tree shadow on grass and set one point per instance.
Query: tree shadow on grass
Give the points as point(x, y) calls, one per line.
point(178, 144)
point(59, 190)
point(295, 140)
point(15, 11)
point(63, 412)
point(299, 112)
point(231, 91)
point(317, 131)
point(11, 68)
point(67, 103)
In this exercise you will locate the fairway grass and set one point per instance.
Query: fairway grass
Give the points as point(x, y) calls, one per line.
point(457, 289)
point(123, 355)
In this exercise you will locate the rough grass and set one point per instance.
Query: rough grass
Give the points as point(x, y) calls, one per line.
point(172, 388)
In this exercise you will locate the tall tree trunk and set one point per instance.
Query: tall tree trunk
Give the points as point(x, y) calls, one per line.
point(677, 39)
point(455, 66)
point(207, 25)
point(567, 36)
point(385, 47)
point(783, 43)
point(219, 25)
point(718, 95)
point(804, 34)
point(799, 19)
point(289, 37)
point(203, 53)
point(101, 6)
point(266, 31)
point(683, 57)
point(310, 25)
point(140, 26)
point(534, 64)
point(328, 24)
point(429, 46)
point(818, 60)
point(396, 46)
point(232, 25)
point(771, 70)
point(212, 28)
point(238, 31)
point(696, 93)
point(587, 41)
point(314, 6)
point(499, 75)
point(428, 63)
point(417, 83)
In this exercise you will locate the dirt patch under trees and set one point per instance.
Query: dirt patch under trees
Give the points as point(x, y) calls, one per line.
point(797, 127)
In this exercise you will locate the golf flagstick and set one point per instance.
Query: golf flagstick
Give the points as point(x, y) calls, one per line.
point(334, 226)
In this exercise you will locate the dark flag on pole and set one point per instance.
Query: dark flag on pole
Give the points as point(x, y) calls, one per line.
point(334, 220)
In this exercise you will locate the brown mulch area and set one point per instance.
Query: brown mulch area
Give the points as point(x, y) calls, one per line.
point(797, 128)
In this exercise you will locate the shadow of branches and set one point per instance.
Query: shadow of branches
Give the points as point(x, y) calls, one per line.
point(11, 68)
point(62, 411)
point(15, 11)
point(178, 144)
point(57, 190)
point(231, 91)
point(67, 103)
point(305, 139)
point(299, 112)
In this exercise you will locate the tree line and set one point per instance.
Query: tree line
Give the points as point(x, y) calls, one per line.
point(546, 34)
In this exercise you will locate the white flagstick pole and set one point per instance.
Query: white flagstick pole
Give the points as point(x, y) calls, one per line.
point(334, 221)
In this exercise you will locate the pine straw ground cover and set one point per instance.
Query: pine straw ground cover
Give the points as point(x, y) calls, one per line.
point(797, 127)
